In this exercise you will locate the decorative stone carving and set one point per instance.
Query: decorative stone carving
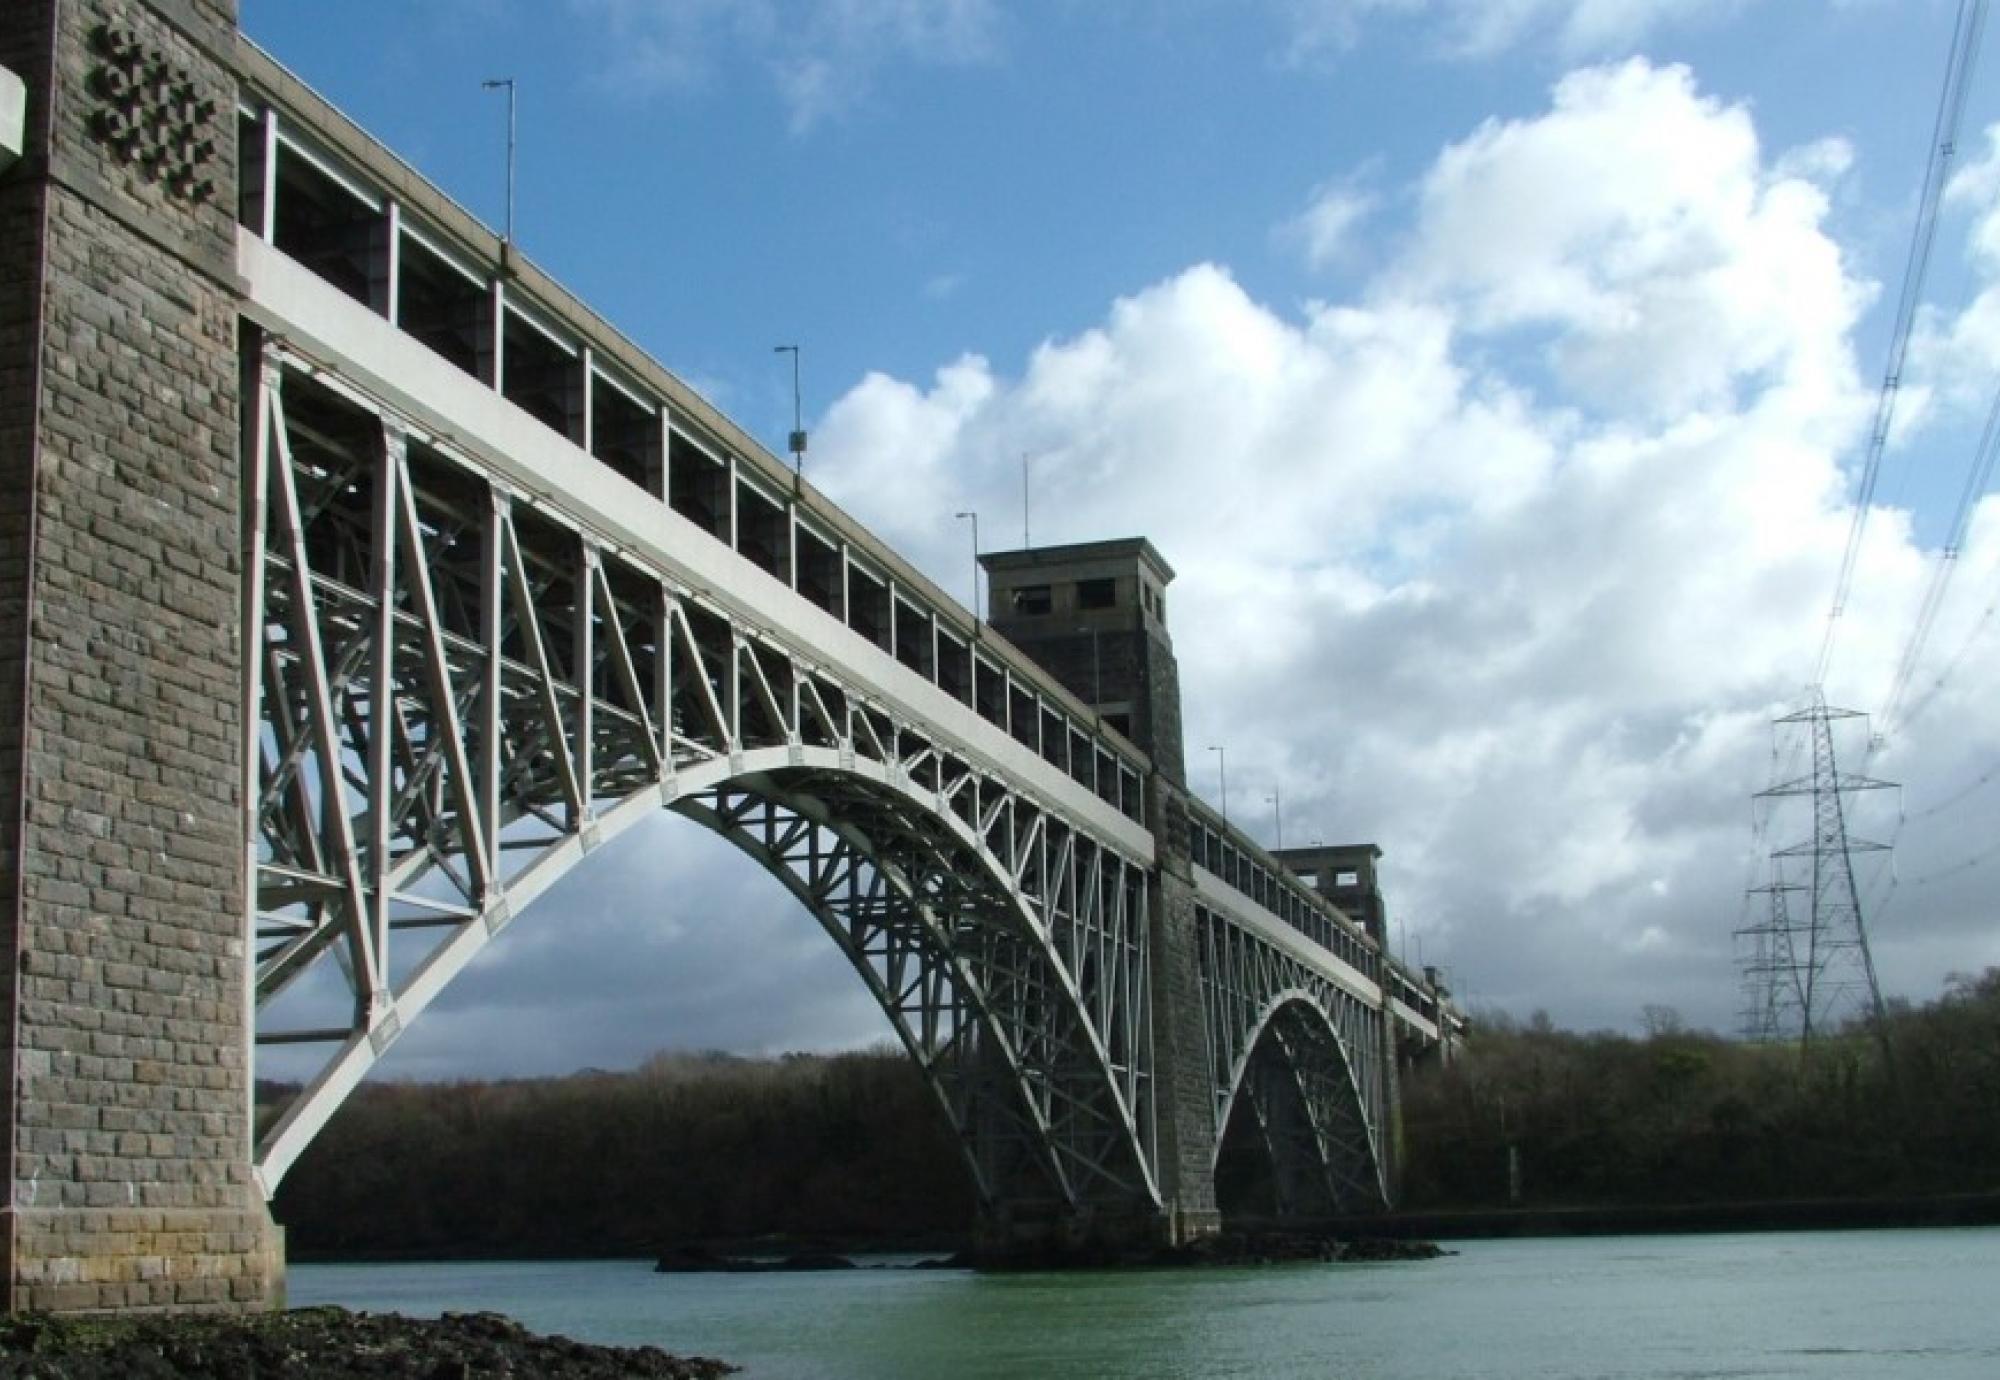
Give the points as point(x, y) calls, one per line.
point(152, 113)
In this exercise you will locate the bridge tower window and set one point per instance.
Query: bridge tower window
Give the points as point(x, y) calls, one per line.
point(1097, 594)
point(1031, 600)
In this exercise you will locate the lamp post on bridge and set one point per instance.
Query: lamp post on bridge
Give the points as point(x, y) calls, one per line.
point(1276, 799)
point(796, 442)
point(494, 85)
point(1222, 767)
point(975, 563)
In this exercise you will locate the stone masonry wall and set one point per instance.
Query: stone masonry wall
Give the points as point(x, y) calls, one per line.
point(130, 1127)
point(1182, 1089)
point(24, 51)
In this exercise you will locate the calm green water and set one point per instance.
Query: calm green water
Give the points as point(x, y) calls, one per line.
point(1868, 1305)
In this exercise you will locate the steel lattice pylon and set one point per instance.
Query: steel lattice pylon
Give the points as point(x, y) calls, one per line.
point(1808, 975)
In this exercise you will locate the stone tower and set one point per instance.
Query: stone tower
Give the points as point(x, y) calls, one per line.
point(1095, 616)
point(123, 981)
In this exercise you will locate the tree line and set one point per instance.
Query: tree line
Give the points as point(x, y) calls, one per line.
point(1681, 1116)
point(852, 1148)
point(847, 1147)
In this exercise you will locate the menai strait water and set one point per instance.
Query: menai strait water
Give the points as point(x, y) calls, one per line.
point(1879, 1305)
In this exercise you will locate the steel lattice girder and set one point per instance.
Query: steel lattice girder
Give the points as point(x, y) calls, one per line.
point(458, 697)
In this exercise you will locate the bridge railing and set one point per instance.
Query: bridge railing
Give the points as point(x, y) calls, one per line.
point(1240, 862)
point(328, 196)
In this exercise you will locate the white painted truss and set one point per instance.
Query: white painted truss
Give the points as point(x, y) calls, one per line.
point(1299, 1055)
point(511, 588)
point(457, 696)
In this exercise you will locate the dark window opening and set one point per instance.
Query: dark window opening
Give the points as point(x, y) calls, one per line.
point(331, 231)
point(542, 378)
point(1055, 739)
point(819, 571)
point(1121, 723)
point(250, 172)
point(1096, 594)
point(698, 487)
point(1023, 718)
point(625, 434)
point(445, 309)
point(954, 667)
point(1082, 759)
point(989, 692)
point(763, 532)
point(913, 639)
point(1033, 599)
point(868, 606)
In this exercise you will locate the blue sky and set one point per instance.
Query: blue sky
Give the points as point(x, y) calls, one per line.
point(1494, 373)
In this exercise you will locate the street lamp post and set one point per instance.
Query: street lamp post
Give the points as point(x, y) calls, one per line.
point(975, 563)
point(796, 442)
point(1277, 814)
point(1222, 767)
point(495, 84)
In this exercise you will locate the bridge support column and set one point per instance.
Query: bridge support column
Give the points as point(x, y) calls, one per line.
point(1183, 1084)
point(124, 1020)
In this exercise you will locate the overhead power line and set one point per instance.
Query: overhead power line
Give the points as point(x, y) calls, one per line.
point(1978, 474)
point(1944, 144)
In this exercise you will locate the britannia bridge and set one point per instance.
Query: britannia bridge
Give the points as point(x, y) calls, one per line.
point(357, 583)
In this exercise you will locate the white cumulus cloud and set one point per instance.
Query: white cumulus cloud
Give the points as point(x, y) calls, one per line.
point(1506, 563)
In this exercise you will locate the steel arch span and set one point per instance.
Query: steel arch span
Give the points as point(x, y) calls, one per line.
point(1296, 1093)
point(1298, 1060)
point(459, 697)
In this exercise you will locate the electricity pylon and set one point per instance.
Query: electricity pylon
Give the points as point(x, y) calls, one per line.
point(1808, 975)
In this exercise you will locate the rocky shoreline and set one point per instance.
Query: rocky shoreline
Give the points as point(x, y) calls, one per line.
point(321, 1343)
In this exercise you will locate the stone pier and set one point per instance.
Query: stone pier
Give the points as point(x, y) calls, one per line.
point(123, 855)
